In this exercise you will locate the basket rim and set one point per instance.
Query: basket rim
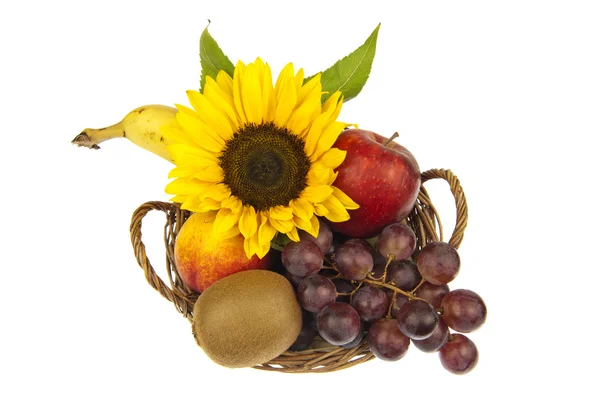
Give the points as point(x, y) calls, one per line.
point(424, 219)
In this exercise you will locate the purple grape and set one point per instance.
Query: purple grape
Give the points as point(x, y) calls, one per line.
point(338, 323)
point(324, 239)
point(315, 292)
point(361, 242)
point(435, 340)
point(370, 302)
point(312, 318)
point(379, 263)
point(398, 240)
point(459, 355)
point(432, 293)
point(463, 310)
point(386, 341)
point(398, 302)
point(306, 337)
point(295, 280)
point(353, 261)
point(417, 319)
point(302, 258)
point(356, 341)
point(404, 274)
point(438, 262)
point(343, 287)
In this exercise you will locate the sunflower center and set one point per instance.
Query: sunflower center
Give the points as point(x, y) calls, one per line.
point(265, 165)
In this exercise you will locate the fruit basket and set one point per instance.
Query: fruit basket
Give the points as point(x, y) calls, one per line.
point(321, 356)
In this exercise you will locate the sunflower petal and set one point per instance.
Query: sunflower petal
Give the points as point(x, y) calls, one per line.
point(332, 176)
point(252, 96)
point(333, 103)
point(316, 225)
point(218, 192)
point(203, 135)
point(311, 139)
point(212, 174)
point(266, 232)
point(268, 93)
point(303, 225)
point(316, 194)
point(248, 247)
point(311, 227)
point(333, 157)
point(225, 220)
point(211, 113)
point(281, 213)
point(191, 203)
point(238, 78)
point(346, 201)
point(293, 234)
point(302, 208)
point(223, 102)
point(232, 232)
point(328, 137)
point(321, 210)
point(176, 135)
point(186, 186)
point(337, 212)
point(286, 95)
point(318, 174)
point(299, 79)
point(232, 203)
point(178, 198)
point(308, 107)
point(311, 88)
point(263, 249)
point(206, 205)
point(248, 221)
point(331, 129)
point(184, 154)
point(225, 82)
point(282, 226)
point(184, 171)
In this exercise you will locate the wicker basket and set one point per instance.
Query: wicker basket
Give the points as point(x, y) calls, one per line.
point(321, 357)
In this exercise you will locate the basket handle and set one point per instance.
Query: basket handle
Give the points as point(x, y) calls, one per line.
point(180, 300)
point(459, 199)
point(183, 298)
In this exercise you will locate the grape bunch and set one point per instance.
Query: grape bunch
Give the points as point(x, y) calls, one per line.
point(385, 292)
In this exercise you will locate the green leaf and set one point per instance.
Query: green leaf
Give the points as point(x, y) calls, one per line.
point(279, 242)
point(212, 58)
point(350, 74)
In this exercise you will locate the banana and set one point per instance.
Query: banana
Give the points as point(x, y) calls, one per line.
point(142, 126)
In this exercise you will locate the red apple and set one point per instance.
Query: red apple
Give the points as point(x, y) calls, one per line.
point(379, 175)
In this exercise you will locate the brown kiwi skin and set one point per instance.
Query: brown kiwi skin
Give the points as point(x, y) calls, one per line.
point(247, 318)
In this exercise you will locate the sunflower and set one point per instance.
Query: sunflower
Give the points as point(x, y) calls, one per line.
point(259, 155)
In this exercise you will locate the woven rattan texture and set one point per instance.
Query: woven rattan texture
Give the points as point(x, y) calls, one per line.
point(322, 357)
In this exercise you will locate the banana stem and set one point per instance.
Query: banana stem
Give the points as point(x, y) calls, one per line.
point(90, 138)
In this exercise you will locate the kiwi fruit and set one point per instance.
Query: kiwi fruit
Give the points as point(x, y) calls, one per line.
point(247, 318)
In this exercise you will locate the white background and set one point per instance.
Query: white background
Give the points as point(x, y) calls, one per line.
point(506, 94)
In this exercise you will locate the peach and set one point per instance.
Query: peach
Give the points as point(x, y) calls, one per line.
point(201, 258)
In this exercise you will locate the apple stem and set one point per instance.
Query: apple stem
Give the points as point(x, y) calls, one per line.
point(390, 139)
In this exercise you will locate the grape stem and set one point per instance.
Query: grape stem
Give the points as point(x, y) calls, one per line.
point(356, 289)
point(391, 287)
point(418, 285)
point(369, 279)
point(391, 305)
point(390, 258)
